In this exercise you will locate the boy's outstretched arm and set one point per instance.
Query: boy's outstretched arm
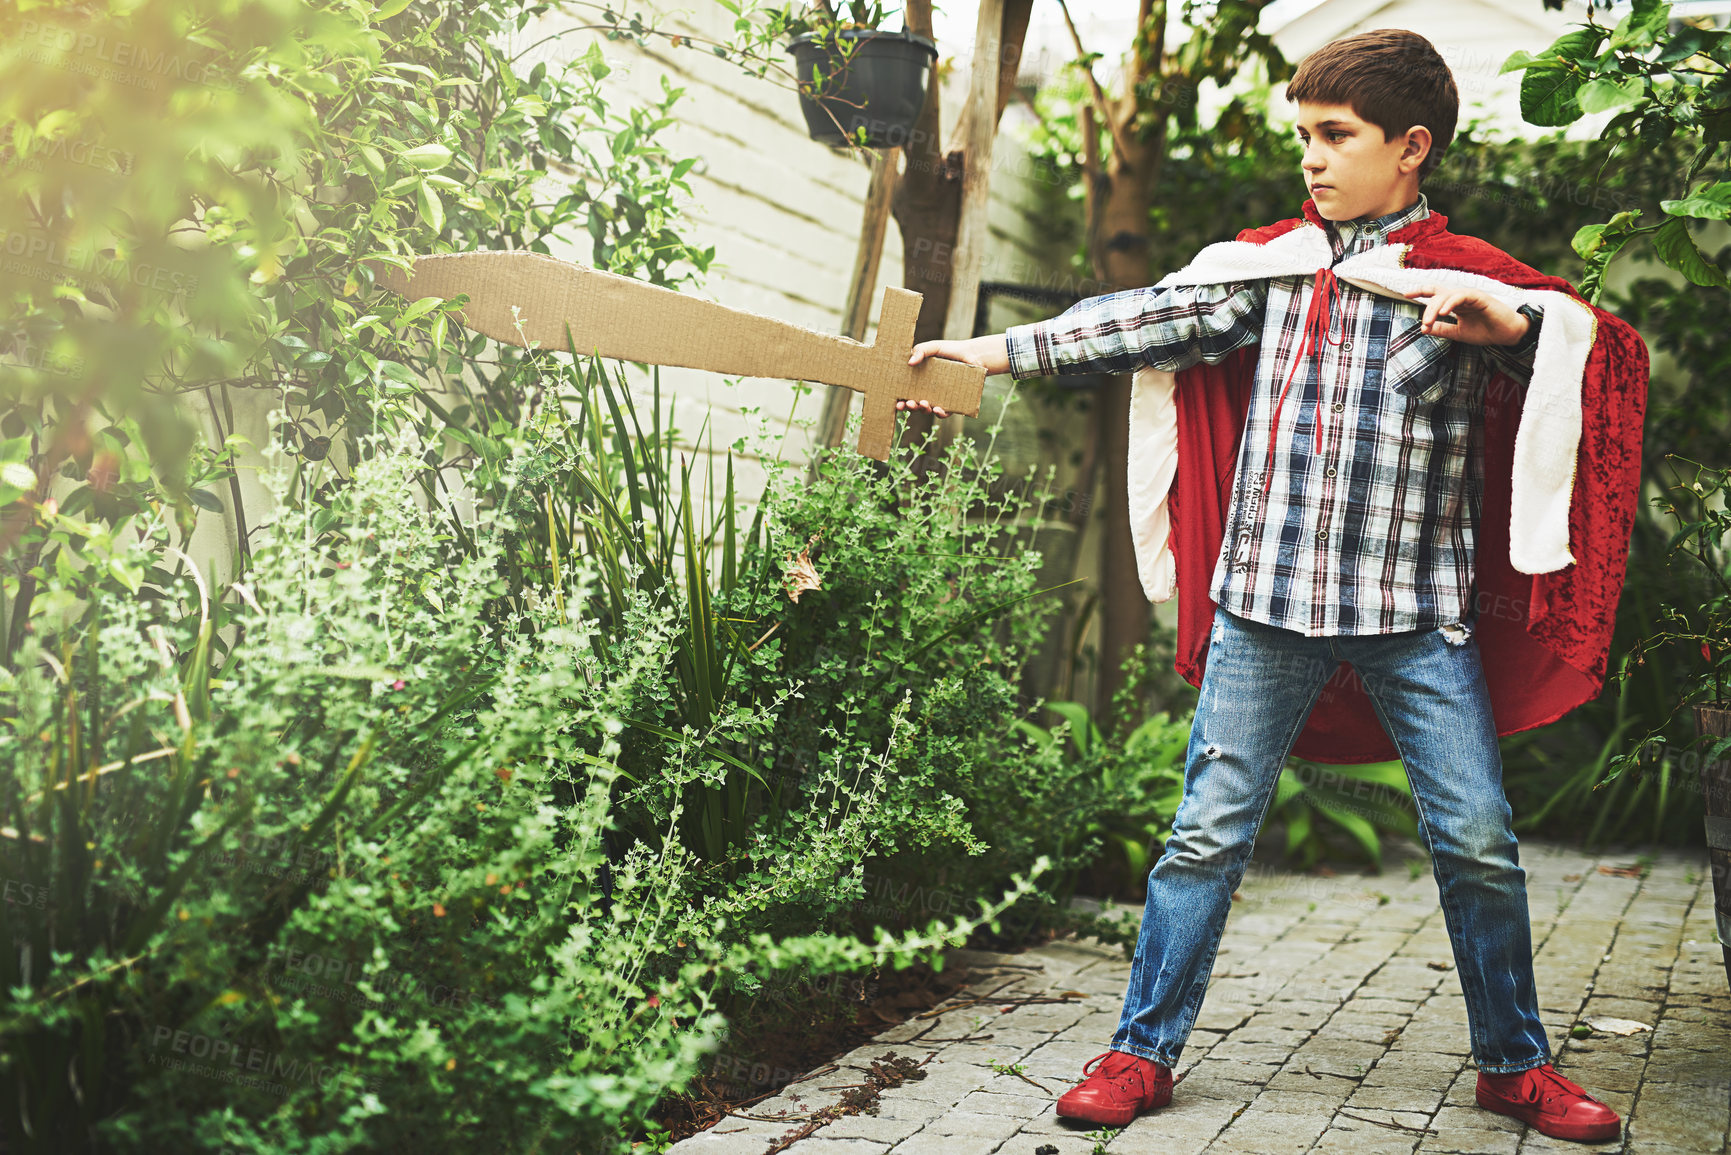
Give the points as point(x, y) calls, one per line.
point(1171, 328)
point(1121, 332)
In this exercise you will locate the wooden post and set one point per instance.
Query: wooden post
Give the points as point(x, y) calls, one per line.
point(839, 400)
point(978, 128)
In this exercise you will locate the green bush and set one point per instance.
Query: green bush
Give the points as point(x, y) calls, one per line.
point(1139, 784)
point(388, 776)
point(921, 621)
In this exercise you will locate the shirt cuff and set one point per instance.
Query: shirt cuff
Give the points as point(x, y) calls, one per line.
point(1024, 346)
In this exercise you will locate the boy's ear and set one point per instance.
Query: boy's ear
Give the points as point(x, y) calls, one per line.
point(1418, 142)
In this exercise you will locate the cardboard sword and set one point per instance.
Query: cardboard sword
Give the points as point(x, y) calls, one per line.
point(628, 320)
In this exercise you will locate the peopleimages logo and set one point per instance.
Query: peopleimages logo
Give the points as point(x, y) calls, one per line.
point(96, 53)
point(278, 857)
point(20, 893)
point(228, 1061)
point(37, 254)
point(77, 151)
point(331, 976)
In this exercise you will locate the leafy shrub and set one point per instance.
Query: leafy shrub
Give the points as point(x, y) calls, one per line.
point(919, 612)
point(344, 889)
point(1141, 782)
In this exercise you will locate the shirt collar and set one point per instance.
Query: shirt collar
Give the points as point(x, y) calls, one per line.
point(1365, 232)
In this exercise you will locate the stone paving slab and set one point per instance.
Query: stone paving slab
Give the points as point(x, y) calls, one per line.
point(1334, 1023)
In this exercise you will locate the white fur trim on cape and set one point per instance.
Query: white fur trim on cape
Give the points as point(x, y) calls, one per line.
point(1545, 443)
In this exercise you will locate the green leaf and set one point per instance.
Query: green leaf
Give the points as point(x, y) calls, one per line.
point(1298, 827)
point(419, 309)
point(1548, 95)
point(428, 157)
point(1598, 244)
point(1083, 731)
point(396, 371)
point(1518, 60)
point(1359, 828)
point(431, 207)
point(1581, 44)
point(1676, 248)
point(1614, 233)
point(1712, 203)
point(1588, 240)
point(595, 62)
point(1604, 94)
point(389, 9)
point(1643, 26)
point(205, 499)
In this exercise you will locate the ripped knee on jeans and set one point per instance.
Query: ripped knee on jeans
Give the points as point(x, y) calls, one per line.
point(1456, 633)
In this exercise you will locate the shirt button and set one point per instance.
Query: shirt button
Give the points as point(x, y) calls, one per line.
point(1339, 406)
point(1347, 348)
point(1330, 471)
point(1322, 535)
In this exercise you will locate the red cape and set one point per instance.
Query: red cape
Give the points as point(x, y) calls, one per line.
point(1543, 638)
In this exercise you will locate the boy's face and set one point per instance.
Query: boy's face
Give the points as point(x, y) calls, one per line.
point(1350, 170)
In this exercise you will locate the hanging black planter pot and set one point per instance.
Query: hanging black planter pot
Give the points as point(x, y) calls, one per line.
point(880, 87)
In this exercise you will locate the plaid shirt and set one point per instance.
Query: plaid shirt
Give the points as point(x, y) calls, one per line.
point(1373, 534)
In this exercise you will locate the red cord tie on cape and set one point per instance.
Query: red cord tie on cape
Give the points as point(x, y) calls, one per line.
point(1317, 323)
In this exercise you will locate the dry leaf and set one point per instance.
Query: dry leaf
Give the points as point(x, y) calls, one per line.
point(1633, 870)
point(1617, 1026)
point(801, 575)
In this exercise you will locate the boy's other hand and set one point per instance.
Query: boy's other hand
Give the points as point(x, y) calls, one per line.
point(991, 353)
point(1470, 316)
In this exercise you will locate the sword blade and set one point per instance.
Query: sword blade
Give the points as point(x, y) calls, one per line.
point(534, 300)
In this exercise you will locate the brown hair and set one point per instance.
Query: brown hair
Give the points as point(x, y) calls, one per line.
point(1390, 77)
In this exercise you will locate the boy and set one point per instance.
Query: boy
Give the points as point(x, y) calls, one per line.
point(1354, 378)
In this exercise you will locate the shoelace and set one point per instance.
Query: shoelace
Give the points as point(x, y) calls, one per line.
point(1542, 1079)
point(1318, 320)
point(1121, 1075)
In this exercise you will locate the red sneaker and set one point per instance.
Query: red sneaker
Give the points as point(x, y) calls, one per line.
point(1549, 1103)
point(1122, 1087)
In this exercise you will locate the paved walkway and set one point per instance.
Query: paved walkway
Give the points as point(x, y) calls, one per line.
point(1334, 1023)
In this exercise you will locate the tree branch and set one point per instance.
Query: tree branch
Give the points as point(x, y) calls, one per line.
point(1098, 95)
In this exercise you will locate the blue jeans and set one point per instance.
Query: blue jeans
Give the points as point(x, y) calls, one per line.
point(1258, 688)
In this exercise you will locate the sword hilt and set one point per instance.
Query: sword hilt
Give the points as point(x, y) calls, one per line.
point(954, 386)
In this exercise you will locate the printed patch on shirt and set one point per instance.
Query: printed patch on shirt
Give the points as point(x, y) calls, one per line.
point(1419, 365)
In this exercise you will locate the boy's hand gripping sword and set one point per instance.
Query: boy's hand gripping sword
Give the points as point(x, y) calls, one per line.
point(628, 320)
